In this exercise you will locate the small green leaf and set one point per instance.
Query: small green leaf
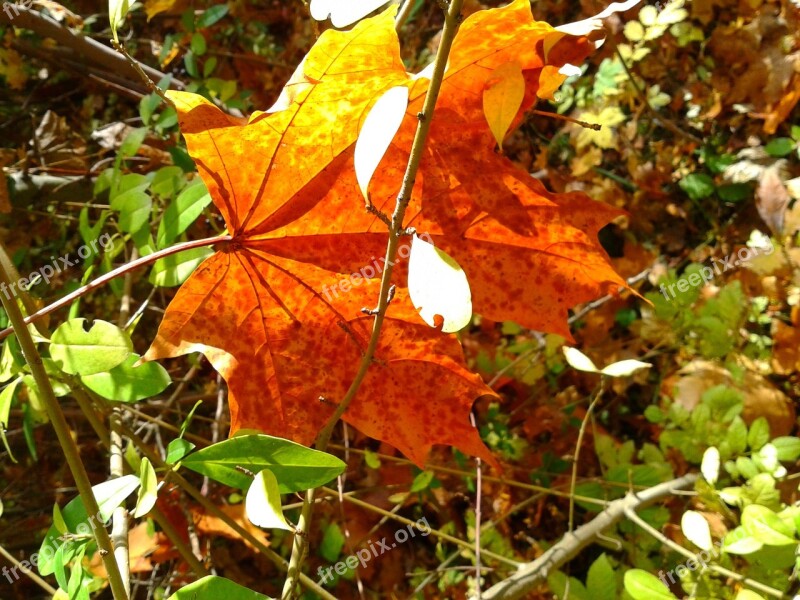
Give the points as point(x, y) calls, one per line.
point(117, 9)
point(181, 213)
point(766, 526)
point(332, 543)
point(737, 435)
point(6, 397)
point(173, 270)
point(262, 504)
point(634, 31)
point(739, 542)
point(198, 44)
point(212, 15)
point(779, 147)
point(133, 141)
point(177, 449)
point(109, 495)
point(735, 192)
point(373, 461)
point(788, 448)
point(697, 186)
point(148, 490)
point(758, 434)
point(212, 587)
point(295, 466)
point(190, 62)
point(127, 383)
point(421, 481)
point(601, 583)
point(80, 352)
point(134, 208)
point(642, 585)
point(167, 181)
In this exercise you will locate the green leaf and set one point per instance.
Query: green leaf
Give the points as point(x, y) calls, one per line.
point(739, 542)
point(779, 147)
point(177, 449)
point(766, 526)
point(127, 383)
point(173, 270)
point(734, 192)
point(198, 44)
point(558, 585)
point(788, 448)
point(190, 62)
point(109, 495)
point(117, 9)
point(601, 583)
point(181, 213)
point(758, 434)
point(373, 460)
point(642, 585)
point(134, 208)
point(295, 466)
point(167, 181)
point(148, 490)
point(212, 587)
point(421, 481)
point(262, 504)
point(80, 352)
point(737, 436)
point(212, 15)
point(697, 186)
point(6, 397)
point(332, 543)
point(130, 145)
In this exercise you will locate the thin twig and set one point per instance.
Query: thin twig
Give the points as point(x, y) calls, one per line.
point(103, 279)
point(435, 532)
point(28, 572)
point(403, 13)
point(530, 575)
point(68, 445)
point(452, 20)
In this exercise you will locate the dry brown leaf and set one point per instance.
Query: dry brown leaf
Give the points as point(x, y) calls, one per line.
point(761, 398)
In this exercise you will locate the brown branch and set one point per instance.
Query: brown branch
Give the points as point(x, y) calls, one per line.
point(88, 50)
point(532, 574)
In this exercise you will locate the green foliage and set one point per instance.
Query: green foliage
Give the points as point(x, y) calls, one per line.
point(295, 466)
point(212, 587)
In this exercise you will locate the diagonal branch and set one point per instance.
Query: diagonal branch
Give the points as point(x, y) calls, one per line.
point(85, 49)
point(534, 573)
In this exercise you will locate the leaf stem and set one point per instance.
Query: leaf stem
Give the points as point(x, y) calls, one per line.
point(68, 445)
point(119, 271)
point(451, 23)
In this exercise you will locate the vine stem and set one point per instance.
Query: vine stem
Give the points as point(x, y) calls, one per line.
point(396, 229)
point(119, 271)
point(68, 444)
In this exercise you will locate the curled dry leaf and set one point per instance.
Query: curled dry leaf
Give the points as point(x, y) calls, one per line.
point(278, 309)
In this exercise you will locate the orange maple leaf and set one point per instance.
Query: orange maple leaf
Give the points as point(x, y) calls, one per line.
point(261, 308)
